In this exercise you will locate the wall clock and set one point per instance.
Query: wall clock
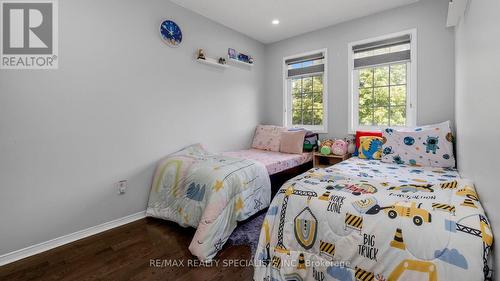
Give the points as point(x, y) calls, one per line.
point(171, 33)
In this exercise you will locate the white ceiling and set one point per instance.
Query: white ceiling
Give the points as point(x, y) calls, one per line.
point(253, 17)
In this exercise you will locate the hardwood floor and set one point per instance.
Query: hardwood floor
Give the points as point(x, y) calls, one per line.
point(125, 253)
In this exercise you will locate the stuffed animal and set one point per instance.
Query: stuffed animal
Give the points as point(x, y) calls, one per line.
point(351, 144)
point(339, 147)
point(326, 142)
point(325, 146)
point(325, 150)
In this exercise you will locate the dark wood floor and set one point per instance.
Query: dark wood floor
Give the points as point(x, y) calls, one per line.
point(124, 253)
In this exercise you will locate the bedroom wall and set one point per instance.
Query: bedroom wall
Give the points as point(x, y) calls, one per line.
point(120, 100)
point(435, 62)
point(477, 99)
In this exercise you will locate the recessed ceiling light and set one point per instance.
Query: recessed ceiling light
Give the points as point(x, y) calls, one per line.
point(276, 21)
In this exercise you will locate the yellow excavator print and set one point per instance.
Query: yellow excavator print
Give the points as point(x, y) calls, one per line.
point(417, 214)
point(414, 265)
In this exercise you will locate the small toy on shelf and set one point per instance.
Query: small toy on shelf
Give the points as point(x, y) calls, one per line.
point(339, 147)
point(232, 53)
point(201, 55)
point(243, 58)
point(236, 56)
point(222, 61)
point(351, 144)
point(325, 146)
point(325, 150)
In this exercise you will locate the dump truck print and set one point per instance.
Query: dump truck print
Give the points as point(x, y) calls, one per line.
point(414, 212)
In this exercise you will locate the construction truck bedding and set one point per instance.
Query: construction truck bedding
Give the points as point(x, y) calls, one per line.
point(210, 192)
point(368, 220)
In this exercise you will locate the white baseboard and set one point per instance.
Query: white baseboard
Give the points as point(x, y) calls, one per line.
point(47, 245)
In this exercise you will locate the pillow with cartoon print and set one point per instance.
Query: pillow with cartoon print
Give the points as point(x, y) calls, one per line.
point(430, 145)
point(370, 147)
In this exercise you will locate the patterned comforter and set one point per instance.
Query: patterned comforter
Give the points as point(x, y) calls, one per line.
point(367, 220)
point(209, 192)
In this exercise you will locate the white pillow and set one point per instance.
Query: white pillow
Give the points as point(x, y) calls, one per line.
point(429, 145)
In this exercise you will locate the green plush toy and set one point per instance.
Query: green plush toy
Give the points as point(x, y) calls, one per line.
point(325, 150)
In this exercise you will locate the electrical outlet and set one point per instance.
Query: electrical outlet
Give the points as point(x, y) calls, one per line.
point(122, 187)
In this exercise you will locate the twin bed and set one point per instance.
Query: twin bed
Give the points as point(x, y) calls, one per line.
point(369, 220)
point(212, 192)
point(275, 162)
point(357, 220)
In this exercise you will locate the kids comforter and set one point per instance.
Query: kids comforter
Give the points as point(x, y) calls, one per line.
point(209, 192)
point(366, 220)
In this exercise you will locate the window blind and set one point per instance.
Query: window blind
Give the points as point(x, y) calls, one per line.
point(313, 68)
point(385, 58)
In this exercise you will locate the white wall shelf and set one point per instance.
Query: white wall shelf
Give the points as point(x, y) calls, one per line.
point(239, 62)
point(213, 62)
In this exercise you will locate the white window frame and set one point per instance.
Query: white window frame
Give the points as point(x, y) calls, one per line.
point(411, 84)
point(287, 96)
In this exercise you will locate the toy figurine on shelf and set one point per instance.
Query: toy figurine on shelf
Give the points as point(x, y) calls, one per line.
point(201, 55)
point(325, 146)
point(250, 60)
point(351, 144)
point(222, 60)
point(339, 147)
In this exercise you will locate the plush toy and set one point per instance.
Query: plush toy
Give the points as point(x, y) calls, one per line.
point(325, 146)
point(339, 147)
point(325, 150)
point(351, 144)
point(326, 142)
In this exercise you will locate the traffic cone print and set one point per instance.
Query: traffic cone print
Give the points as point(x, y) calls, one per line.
point(398, 240)
point(302, 262)
point(468, 203)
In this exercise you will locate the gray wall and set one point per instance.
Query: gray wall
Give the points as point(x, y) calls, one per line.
point(477, 100)
point(435, 61)
point(120, 100)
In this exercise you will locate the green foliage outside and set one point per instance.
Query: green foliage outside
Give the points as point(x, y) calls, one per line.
point(382, 95)
point(307, 100)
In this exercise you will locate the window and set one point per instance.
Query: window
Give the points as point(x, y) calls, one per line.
point(383, 78)
point(305, 91)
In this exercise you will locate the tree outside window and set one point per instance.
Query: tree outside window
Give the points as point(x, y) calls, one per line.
point(307, 100)
point(382, 95)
